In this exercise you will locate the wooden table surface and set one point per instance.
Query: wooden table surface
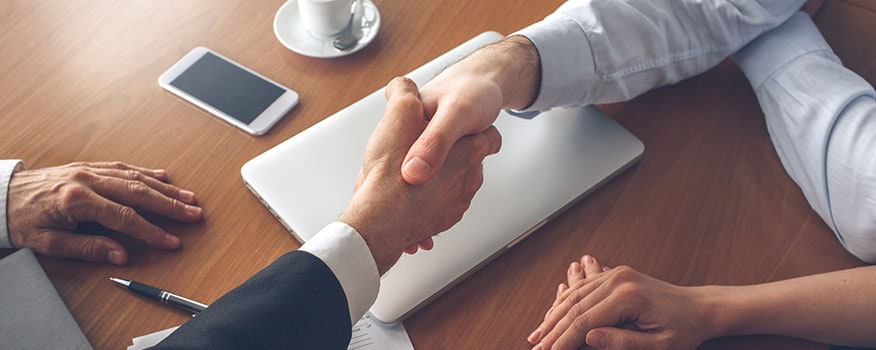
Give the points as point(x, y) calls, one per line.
point(709, 202)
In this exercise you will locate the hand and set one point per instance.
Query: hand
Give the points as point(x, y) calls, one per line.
point(620, 308)
point(46, 205)
point(466, 98)
point(390, 214)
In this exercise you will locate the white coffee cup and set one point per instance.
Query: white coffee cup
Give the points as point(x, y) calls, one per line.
point(325, 18)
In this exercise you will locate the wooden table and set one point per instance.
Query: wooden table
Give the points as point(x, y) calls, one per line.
point(709, 202)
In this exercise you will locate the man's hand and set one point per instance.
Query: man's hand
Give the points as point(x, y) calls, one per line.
point(46, 205)
point(392, 215)
point(466, 98)
point(620, 308)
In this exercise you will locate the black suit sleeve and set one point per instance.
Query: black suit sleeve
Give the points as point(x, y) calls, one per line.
point(295, 303)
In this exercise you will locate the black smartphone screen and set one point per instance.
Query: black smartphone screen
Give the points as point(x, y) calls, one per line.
point(228, 88)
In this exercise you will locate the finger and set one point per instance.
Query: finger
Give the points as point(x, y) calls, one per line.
point(160, 186)
point(536, 335)
point(78, 246)
point(404, 112)
point(591, 266)
point(411, 249)
point(139, 195)
point(160, 174)
point(120, 218)
point(575, 273)
point(575, 301)
point(426, 244)
point(426, 157)
point(595, 310)
point(617, 338)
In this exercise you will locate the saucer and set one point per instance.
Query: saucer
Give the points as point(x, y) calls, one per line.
point(292, 34)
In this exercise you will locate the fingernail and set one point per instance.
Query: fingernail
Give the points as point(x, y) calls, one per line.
point(576, 267)
point(173, 240)
point(193, 210)
point(589, 260)
point(535, 336)
point(417, 168)
point(538, 347)
point(115, 257)
point(159, 173)
point(599, 339)
point(187, 196)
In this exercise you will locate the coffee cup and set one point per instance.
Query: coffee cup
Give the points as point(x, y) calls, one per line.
point(325, 18)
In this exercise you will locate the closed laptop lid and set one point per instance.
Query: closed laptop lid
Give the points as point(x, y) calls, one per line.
point(545, 165)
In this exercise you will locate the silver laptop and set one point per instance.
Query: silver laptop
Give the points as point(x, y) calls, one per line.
point(545, 166)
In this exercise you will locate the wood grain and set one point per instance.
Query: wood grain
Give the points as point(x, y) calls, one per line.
point(709, 202)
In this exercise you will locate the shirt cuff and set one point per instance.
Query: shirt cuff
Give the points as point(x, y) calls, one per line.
point(7, 168)
point(773, 50)
point(559, 87)
point(345, 252)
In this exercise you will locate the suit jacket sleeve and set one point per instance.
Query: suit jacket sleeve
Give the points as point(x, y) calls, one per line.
point(296, 302)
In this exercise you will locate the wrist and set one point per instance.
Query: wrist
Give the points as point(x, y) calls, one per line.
point(384, 252)
point(511, 64)
point(721, 311)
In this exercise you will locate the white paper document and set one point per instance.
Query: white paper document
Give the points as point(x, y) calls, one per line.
point(367, 335)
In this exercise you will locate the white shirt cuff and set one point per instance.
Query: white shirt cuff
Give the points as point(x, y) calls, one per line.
point(7, 168)
point(559, 86)
point(347, 255)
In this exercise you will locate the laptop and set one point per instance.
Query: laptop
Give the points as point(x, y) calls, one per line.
point(546, 165)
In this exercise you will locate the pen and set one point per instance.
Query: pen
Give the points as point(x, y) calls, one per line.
point(161, 295)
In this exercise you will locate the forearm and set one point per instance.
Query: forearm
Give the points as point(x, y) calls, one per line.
point(834, 308)
point(820, 118)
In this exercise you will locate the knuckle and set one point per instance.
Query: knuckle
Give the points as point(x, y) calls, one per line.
point(581, 323)
point(81, 175)
point(133, 175)
point(137, 188)
point(623, 273)
point(70, 195)
point(90, 252)
point(118, 165)
point(127, 216)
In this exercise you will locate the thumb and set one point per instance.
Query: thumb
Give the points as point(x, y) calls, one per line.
point(429, 151)
point(617, 338)
point(97, 249)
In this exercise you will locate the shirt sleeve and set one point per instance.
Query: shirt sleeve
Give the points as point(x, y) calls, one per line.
point(7, 168)
point(347, 255)
point(822, 120)
point(608, 51)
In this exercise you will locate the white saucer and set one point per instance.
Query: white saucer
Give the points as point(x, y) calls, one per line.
point(293, 35)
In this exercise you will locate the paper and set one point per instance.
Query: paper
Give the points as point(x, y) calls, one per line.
point(367, 335)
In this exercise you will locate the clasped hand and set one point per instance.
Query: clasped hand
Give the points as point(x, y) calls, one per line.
point(620, 308)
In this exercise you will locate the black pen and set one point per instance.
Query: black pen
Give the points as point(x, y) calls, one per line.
point(162, 296)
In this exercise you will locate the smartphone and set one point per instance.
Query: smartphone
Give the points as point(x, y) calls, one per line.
point(229, 90)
